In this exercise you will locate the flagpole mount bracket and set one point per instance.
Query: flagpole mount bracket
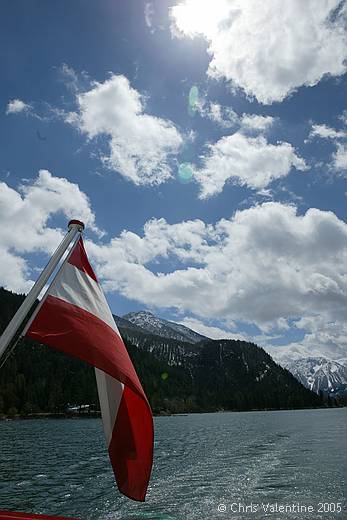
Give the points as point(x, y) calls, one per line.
point(76, 223)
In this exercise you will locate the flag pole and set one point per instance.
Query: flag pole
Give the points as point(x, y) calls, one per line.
point(75, 228)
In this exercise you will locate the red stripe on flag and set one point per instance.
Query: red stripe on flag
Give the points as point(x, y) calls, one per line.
point(132, 434)
point(79, 259)
point(79, 333)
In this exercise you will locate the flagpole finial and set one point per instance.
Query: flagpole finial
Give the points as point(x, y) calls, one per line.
point(76, 223)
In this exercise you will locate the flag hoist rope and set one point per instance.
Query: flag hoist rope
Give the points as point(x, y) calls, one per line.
point(75, 229)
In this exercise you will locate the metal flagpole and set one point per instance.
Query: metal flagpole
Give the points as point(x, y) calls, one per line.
point(75, 228)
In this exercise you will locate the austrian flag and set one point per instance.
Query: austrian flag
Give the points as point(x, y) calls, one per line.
point(75, 318)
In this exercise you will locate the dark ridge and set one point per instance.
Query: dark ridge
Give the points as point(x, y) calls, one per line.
point(177, 376)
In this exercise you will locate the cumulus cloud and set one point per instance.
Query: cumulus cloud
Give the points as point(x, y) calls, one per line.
point(139, 144)
point(25, 215)
point(323, 338)
point(326, 132)
point(15, 106)
point(208, 330)
point(268, 48)
point(262, 340)
point(266, 265)
point(248, 161)
point(256, 122)
point(339, 156)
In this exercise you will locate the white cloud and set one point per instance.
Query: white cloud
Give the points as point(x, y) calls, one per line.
point(326, 132)
point(208, 330)
point(139, 144)
point(70, 77)
point(224, 116)
point(248, 161)
point(15, 106)
point(322, 338)
point(256, 122)
point(266, 265)
point(340, 157)
point(214, 332)
point(324, 332)
point(268, 48)
point(149, 12)
point(292, 351)
point(343, 117)
point(24, 216)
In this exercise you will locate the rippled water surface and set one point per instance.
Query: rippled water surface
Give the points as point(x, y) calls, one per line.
point(202, 461)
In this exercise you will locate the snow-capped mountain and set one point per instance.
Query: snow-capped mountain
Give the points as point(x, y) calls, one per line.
point(180, 346)
point(320, 375)
point(164, 328)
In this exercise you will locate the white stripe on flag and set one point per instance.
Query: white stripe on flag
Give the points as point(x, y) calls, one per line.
point(110, 394)
point(74, 286)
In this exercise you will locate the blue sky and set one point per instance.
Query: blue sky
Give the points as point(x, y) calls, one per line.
point(103, 104)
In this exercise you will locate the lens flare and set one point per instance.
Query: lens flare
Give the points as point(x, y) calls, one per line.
point(185, 172)
point(193, 100)
point(164, 376)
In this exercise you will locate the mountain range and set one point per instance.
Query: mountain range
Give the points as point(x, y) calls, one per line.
point(181, 371)
point(147, 331)
point(318, 374)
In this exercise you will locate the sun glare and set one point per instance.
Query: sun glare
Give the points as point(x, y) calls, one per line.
point(194, 17)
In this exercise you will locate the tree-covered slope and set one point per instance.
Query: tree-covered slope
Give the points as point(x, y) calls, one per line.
point(177, 376)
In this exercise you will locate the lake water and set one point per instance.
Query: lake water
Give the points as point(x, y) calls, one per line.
point(234, 461)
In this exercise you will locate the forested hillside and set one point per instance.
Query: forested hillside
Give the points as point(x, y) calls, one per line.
point(177, 376)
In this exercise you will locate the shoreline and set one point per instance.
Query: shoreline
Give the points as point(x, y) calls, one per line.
point(97, 414)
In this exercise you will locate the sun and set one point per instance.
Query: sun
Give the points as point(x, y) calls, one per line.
point(193, 17)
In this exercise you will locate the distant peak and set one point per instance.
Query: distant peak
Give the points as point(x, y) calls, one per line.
point(162, 327)
point(139, 313)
